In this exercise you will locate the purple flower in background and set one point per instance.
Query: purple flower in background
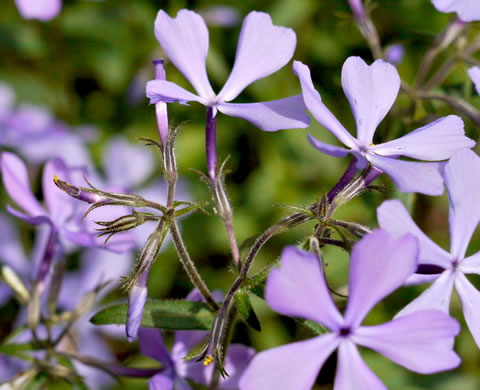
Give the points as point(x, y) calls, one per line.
point(262, 49)
point(220, 16)
point(474, 74)
point(7, 100)
point(43, 10)
point(176, 370)
point(462, 179)
point(421, 342)
point(395, 53)
point(467, 10)
point(371, 91)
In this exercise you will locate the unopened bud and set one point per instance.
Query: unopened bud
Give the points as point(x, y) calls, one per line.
point(136, 304)
point(78, 192)
point(161, 107)
point(16, 284)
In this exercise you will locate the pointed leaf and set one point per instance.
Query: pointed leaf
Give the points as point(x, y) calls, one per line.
point(242, 301)
point(163, 314)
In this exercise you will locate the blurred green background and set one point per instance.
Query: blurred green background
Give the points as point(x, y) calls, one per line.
point(87, 65)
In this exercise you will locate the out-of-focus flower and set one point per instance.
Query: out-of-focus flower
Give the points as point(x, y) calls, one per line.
point(474, 74)
point(220, 16)
point(43, 10)
point(371, 91)
point(395, 53)
point(379, 265)
point(467, 10)
point(176, 369)
point(462, 179)
point(357, 9)
point(262, 49)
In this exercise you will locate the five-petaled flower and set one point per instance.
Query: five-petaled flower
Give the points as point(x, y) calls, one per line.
point(298, 289)
point(371, 91)
point(462, 179)
point(467, 10)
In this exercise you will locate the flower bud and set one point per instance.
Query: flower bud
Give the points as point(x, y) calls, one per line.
point(136, 304)
point(15, 283)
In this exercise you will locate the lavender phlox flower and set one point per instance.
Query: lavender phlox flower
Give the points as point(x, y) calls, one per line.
point(462, 179)
point(371, 91)
point(379, 264)
point(35, 133)
point(262, 49)
point(43, 10)
point(474, 73)
point(176, 369)
point(220, 16)
point(467, 10)
point(61, 213)
point(395, 53)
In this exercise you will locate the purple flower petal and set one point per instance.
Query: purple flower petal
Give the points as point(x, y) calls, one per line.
point(39, 9)
point(371, 91)
point(298, 289)
point(166, 91)
point(161, 381)
point(331, 150)
point(436, 141)
point(394, 218)
point(384, 259)
point(287, 113)
point(462, 179)
point(136, 303)
point(467, 10)
point(411, 176)
point(185, 42)
point(314, 103)
point(15, 180)
point(238, 357)
point(60, 205)
point(471, 264)
point(474, 74)
point(413, 340)
point(470, 298)
point(39, 220)
point(262, 49)
point(11, 250)
point(437, 296)
point(352, 372)
point(280, 368)
point(152, 345)
point(127, 165)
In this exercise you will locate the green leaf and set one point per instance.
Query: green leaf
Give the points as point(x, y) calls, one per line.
point(314, 326)
point(163, 314)
point(242, 301)
point(18, 349)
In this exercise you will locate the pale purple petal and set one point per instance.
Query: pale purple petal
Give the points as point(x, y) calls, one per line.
point(185, 42)
point(162, 381)
point(39, 220)
point(470, 298)
point(262, 49)
point(381, 258)
point(436, 141)
point(136, 303)
point(314, 103)
point(413, 340)
point(287, 113)
point(411, 176)
point(39, 9)
point(60, 205)
point(471, 264)
point(16, 182)
point(467, 10)
point(474, 74)
point(237, 360)
point(462, 179)
point(371, 91)
point(127, 165)
point(280, 368)
point(436, 297)
point(394, 218)
point(166, 91)
point(11, 249)
point(298, 289)
point(331, 150)
point(152, 345)
point(352, 372)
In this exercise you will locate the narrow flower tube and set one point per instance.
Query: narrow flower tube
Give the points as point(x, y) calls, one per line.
point(211, 142)
point(161, 107)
